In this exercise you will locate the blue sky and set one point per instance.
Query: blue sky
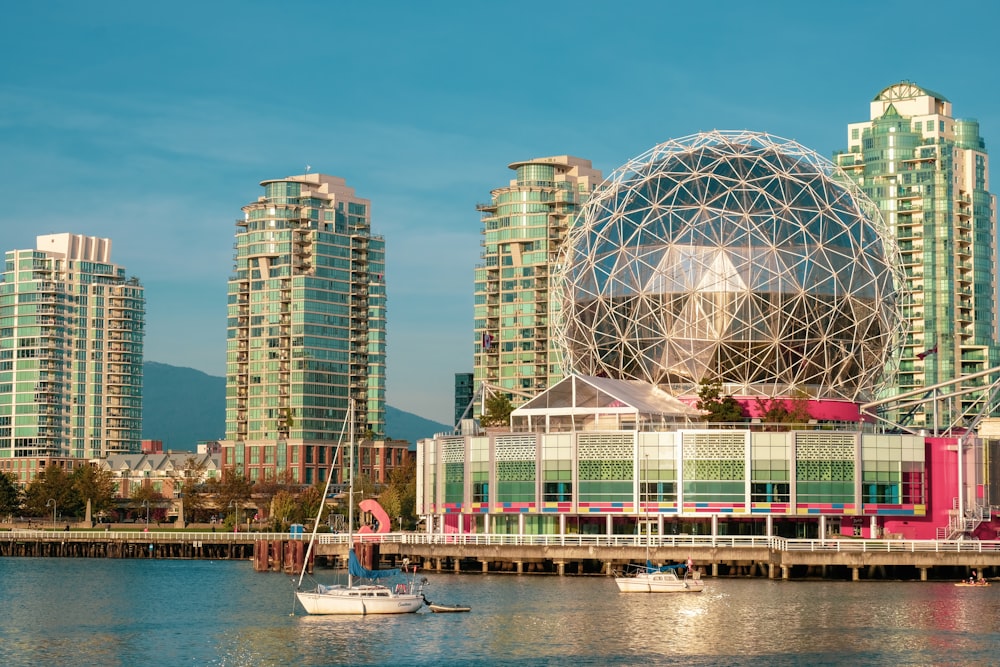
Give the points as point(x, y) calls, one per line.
point(152, 124)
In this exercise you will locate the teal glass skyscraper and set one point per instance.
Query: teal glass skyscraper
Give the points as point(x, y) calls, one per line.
point(524, 225)
point(928, 172)
point(306, 328)
point(71, 352)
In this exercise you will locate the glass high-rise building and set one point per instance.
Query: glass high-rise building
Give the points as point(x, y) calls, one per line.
point(71, 352)
point(928, 172)
point(524, 225)
point(464, 392)
point(306, 328)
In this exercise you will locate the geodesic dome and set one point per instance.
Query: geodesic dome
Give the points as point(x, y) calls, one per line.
point(731, 256)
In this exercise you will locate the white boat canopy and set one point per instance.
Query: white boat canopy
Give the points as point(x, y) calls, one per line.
point(588, 403)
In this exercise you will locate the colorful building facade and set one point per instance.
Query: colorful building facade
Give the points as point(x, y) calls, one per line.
point(828, 478)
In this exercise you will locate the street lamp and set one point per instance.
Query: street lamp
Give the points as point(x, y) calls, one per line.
point(233, 503)
point(52, 501)
point(145, 503)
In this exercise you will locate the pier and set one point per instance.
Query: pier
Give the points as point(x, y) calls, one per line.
point(127, 544)
point(561, 555)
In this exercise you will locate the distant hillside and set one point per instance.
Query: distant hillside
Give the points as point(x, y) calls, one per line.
point(181, 406)
point(408, 426)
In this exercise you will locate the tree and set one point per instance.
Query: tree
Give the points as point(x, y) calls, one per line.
point(146, 497)
point(498, 409)
point(10, 495)
point(96, 485)
point(191, 489)
point(52, 484)
point(282, 510)
point(399, 498)
point(720, 409)
point(310, 503)
point(267, 488)
point(196, 501)
point(234, 491)
point(782, 413)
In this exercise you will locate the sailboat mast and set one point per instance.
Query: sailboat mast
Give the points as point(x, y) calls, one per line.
point(322, 503)
point(350, 493)
point(644, 483)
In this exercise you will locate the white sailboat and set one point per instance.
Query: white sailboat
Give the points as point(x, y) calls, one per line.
point(651, 578)
point(659, 579)
point(357, 599)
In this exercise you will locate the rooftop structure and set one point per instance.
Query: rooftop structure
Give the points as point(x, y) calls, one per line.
point(735, 257)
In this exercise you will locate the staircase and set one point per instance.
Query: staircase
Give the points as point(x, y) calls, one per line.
point(963, 525)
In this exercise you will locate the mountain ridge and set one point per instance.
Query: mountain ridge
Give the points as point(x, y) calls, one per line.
point(182, 406)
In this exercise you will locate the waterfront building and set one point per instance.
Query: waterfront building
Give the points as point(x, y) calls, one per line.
point(71, 354)
point(728, 259)
point(306, 329)
point(164, 474)
point(160, 479)
point(524, 224)
point(928, 172)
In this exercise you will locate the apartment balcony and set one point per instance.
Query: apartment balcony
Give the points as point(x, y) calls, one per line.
point(849, 160)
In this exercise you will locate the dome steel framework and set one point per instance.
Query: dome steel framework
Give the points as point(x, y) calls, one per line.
point(731, 256)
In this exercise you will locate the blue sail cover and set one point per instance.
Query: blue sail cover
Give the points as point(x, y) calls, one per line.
point(652, 568)
point(355, 568)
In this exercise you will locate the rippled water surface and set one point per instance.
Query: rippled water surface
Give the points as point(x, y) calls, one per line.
point(142, 612)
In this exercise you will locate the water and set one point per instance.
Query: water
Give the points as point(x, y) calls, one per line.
point(149, 612)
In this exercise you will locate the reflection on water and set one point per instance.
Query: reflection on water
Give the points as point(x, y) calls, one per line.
point(106, 612)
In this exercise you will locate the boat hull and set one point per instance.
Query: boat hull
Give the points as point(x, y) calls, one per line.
point(658, 583)
point(447, 608)
point(359, 601)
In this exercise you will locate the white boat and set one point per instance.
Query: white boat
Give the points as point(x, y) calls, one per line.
point(663, 579)
point(439, 608)
point(651, 578)
point(404, 597)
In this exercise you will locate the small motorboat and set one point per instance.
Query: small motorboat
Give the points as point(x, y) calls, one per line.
point(973, 584)
point(439, 608)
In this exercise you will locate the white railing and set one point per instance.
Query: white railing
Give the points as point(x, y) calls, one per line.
point(492, 539)
point(573, 540)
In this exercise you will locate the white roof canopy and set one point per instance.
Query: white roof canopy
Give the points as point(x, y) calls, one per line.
point(580, 402)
